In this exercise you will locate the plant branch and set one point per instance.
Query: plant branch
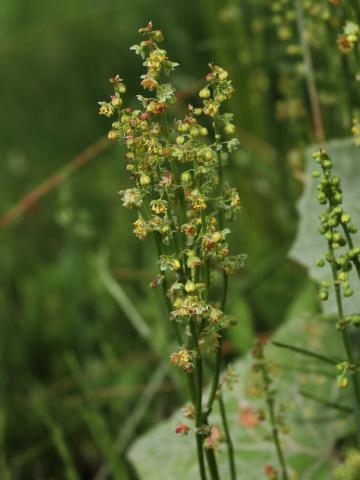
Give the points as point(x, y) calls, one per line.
point(305, 352)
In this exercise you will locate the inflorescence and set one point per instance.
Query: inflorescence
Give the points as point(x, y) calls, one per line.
point(342, 256)
point(183, 200)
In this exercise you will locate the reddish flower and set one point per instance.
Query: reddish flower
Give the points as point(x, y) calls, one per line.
point(182, 429)
point(270, 472)
point(248, 418)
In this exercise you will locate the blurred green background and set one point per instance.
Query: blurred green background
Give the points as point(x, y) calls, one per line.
point(76, 358)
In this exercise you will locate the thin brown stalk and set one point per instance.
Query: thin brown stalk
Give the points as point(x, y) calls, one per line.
point(32, 198)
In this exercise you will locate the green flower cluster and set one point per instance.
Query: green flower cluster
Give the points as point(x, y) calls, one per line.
point(337, 229)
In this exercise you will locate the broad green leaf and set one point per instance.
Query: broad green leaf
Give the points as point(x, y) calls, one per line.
point(314, 430)
point(310, 245)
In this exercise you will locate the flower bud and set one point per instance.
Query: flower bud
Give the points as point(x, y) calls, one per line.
point(186, 177)
point(216, 236)
point(204, 93)
point(116, 101)
point(223, 75)
point(183, 127)
point(144, 180)
point(113, 135)
point(342, 382)
point(182, 429)
point(220, 98)
point(323, 295)
point(190, 286)
point(345, 218)
point(176, 264)
point(208, 154)
point(194, 132)
point(343, 277)
point(354, 252)
point(157, 36)
point(229, 129)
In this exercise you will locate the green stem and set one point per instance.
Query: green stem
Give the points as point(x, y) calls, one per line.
point(326, 403)
point(174, 324)
point(307, 353)
point(228, 439)
point(206, 262)
point(198, 379)
point(211, 460)
point(271, 409)
point(310, 75)
point(200, 419)
point(353, 10)
point(346, 343)
point(180, 192)
point(215, 382)
point(217, 368)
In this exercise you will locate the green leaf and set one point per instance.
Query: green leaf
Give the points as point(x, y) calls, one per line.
point(309, 245)
point(164, 92)
point(119, 295)
point(314, 429)
point(169, 67)
point(138, 50)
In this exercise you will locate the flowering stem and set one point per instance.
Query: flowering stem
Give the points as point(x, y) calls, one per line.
point(215, 383)
point(271, 410)
point(198, 374)
point(211, 459)
point(165, 289)
point(178, 208)
point(229, 443)
point(217, 368)
point(309, 74)
point(346, 342)
point(164, 284)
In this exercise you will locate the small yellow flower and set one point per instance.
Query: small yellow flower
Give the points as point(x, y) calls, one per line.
point(106, 109)
point(140, 228)
point(113, 135)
